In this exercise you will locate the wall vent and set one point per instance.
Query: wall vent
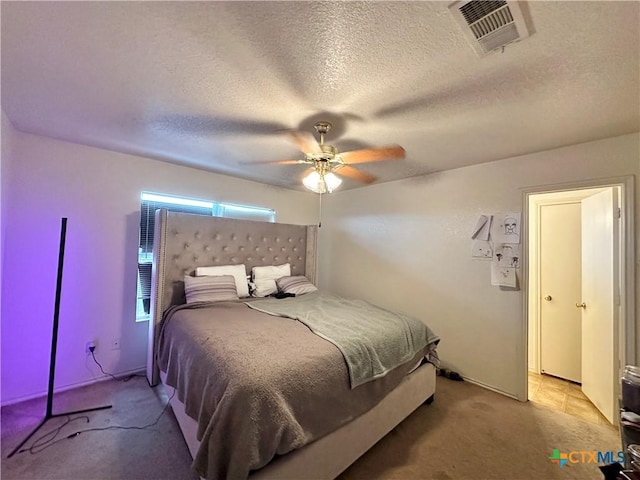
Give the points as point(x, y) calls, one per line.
point(490, 25)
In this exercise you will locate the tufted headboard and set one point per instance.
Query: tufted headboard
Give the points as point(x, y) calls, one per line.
point(184, 241)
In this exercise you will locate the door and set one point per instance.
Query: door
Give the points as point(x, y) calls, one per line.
point(599, 305)
point(560, 288)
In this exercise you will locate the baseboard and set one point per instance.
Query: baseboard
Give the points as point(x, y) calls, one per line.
point(71, 386)
point(489, 387)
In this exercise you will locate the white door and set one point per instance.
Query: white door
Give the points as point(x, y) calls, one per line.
point(599, 310)
point(560, 286)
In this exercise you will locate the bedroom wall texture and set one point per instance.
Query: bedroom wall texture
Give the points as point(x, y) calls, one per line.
point(405, 245)
point(99, 192)
point(6, 141)
point(8, 132)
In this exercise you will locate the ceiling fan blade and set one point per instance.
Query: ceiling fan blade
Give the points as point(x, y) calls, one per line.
point(305, 141)
point(392, 152)
point(276, 162)
point(350, 172)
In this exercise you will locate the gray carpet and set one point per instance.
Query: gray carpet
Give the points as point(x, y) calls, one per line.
point(158, 452)
point(473, 433)
point(467, 433)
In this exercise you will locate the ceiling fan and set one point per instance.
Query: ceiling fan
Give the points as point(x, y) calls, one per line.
point(325, 160)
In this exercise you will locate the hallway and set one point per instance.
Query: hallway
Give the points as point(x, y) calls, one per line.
point(563, 396)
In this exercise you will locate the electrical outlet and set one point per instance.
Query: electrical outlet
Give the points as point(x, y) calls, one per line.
point(88, 346)
point(115, 344)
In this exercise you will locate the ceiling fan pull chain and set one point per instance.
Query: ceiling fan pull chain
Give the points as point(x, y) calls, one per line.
point(320, 212)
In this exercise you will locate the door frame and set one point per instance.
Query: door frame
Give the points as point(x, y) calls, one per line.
point(627, 330)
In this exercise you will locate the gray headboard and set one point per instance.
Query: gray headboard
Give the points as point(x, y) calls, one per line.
point(184, 241)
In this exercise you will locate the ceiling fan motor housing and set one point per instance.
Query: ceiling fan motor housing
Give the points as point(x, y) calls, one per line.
point(322, 127)
point(330, 149)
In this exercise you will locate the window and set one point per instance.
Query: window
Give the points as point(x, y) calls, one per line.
point(242, 212)
point(150, 202)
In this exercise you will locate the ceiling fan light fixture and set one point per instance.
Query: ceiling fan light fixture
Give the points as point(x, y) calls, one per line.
point(332, 181)
point(317, 183)
point(313, 182)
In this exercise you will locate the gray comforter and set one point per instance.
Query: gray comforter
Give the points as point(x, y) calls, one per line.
point(372, 340)
point(258, 385)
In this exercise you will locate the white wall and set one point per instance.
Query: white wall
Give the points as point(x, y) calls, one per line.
point(8, 132)
point(6, 143)
point(406, 245)
point(99, 192)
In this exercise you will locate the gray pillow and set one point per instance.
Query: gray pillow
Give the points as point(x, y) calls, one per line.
point(297, 285)
point(210, 288)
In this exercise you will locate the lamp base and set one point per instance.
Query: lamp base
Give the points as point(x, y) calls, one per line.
point(49, 417)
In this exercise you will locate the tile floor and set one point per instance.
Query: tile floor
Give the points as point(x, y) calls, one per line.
point(563, 396)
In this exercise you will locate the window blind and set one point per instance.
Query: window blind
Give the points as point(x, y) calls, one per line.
point(148, 215)
point(150, 202)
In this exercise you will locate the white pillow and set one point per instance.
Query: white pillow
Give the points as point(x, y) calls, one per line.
point(210, 288)
point(264, 288)
point(239, 272)
point(272, 271)
point(265, 278)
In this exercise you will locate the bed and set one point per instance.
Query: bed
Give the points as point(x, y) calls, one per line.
point(316, 435)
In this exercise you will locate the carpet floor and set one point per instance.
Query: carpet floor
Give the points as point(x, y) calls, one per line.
point(467, 433)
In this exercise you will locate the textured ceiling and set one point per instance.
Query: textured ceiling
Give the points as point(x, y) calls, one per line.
point(207, 84)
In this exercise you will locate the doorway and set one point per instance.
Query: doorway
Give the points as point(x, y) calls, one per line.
point(578, 336)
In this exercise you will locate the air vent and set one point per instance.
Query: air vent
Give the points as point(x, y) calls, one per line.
point(490, 25)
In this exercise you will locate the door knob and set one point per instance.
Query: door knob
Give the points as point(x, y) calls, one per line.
point(581, 305)
point(548, 298)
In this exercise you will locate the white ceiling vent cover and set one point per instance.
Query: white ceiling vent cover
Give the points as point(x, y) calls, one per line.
point(490, 25)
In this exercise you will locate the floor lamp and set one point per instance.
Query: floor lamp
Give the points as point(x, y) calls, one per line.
point(54, 342)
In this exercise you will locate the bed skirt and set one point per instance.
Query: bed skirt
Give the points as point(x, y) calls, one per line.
point(327, 457)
